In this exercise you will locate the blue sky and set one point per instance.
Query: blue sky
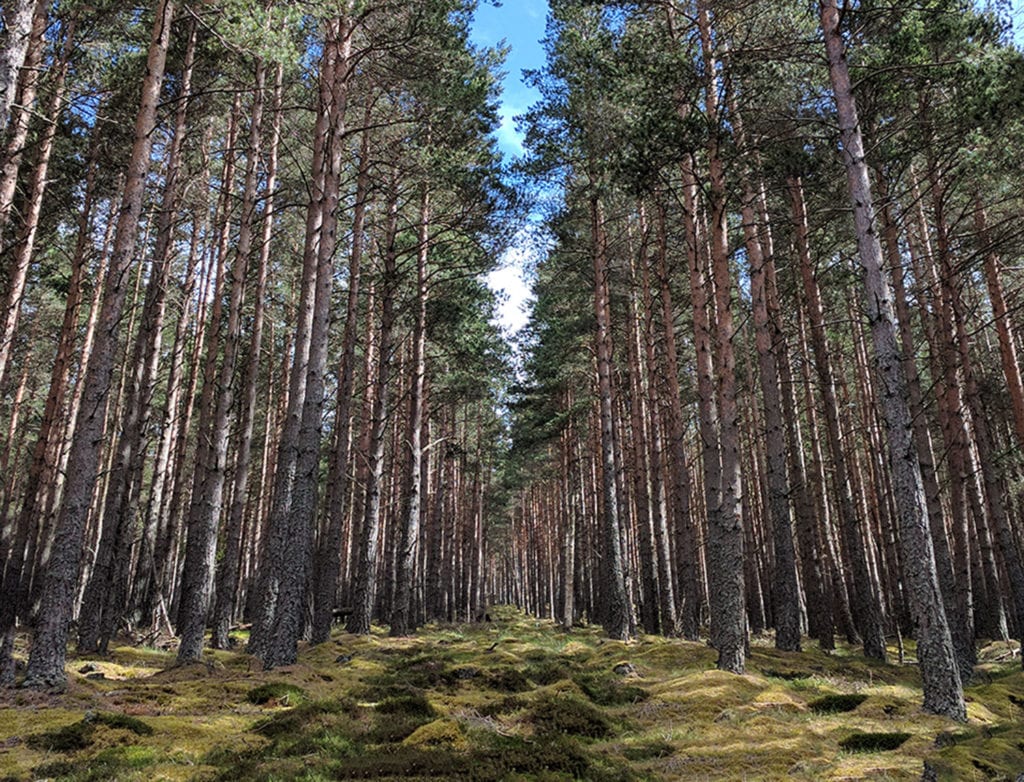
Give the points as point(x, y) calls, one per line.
point(520, 24)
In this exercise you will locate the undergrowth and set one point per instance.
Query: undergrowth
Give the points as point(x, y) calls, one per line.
point(513, 699)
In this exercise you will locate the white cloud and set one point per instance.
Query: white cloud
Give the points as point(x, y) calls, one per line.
point(509, 280)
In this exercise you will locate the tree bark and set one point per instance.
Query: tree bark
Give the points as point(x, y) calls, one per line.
point(46, 659)
point(943, 692)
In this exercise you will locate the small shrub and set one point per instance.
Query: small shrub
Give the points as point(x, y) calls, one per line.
point(547, 671)
point(569, 715)
point(296, 720)
point(276, 691)
point(873, 742)
point(837, 704)
point(79, 735)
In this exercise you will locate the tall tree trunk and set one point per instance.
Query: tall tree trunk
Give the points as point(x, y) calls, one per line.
point(103, 603)
point(410, 523)
point(725, 524)
point(955, 583)
point(864, 596)
point(227, 572)
point(364, 592)
point(785, 589)
point(943, 691)
point(328, 555)
point(618, 619)
point(46, 660)
point(1003, 323)
point(300, 522)
point(215, 405)
point(688, 553)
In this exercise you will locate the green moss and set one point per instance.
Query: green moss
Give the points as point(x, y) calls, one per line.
point(568, 715)
point(508, 680)
point(439, 734)
point(874, 742)
point(505, 705)
point(298, 719)
point(837, 704)
point(608, 690)
point(70, 738)
point(412, 704)
point(283, 692)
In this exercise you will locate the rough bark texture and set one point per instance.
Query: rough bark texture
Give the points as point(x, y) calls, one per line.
point(46, 659)
point(943, 692)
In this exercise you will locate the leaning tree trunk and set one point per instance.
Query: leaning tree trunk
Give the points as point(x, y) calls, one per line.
point(943, 691)
point(49, 645)
point(864, 597)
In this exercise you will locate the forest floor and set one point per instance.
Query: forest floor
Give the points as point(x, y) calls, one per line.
point(512, 699)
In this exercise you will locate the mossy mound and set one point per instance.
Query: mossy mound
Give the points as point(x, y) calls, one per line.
point(609, 690)
point(280, 693)
point(79, 735)
point(567, 715)
point(837, 704)
point(874, 742)
point(439, 734)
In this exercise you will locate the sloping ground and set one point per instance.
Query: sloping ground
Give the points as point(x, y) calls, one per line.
point(514, 699)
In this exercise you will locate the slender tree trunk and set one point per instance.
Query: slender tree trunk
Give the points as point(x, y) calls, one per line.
point(785, 589)
point(227, 571)
point(215, 405)
point(725, 524)
point(943, 692)
point(46, 660)
point(328, 553)
point(365, 590)
point(410, 523)
point(864, 596)
point(618, 620)
point(955, 583)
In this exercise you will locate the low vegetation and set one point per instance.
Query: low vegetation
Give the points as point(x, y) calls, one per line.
point(515, 699)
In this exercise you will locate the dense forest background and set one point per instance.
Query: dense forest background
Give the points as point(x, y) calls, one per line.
point(251, 372)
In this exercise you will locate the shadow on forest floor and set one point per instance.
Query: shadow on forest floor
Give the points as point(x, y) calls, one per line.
point(514, 699)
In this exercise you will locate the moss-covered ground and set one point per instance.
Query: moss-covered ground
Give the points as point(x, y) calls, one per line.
point(513, 699)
